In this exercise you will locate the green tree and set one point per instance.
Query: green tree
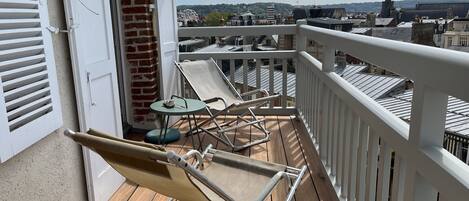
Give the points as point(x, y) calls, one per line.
point(216, 18)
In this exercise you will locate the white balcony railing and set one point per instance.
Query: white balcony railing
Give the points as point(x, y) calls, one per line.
point(369, 153)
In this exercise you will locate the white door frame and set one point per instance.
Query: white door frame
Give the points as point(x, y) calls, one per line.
point(78, 78)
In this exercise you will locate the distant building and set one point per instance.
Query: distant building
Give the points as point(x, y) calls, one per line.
point(316, 49)
point(299, 13)
point(330, 23)
point(188, 17)
point(336, 13)
point(388, 10)
point(270, 14)
point(457, 36)
point(435, 11)
point(423, 33)
point(403, 34)
point(385, 22)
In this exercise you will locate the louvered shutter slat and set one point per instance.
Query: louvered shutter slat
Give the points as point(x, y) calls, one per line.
point(19, 33)
point(29, 101)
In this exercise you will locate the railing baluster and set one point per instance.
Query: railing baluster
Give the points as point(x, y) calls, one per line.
point(258, 75)
point(354, 141)
point(324, 126)
point(330, 125)
point(232, 71)
point(384, 172)
point(398, 179)
point(335, 137)
point(372, 165)
point(363, 136)
point(271, 79)
point(284, 82)
point(340, 141)
point(346, 152)
point(313, 107)
point(245, 75)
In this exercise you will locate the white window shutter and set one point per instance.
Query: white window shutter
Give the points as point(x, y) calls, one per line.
point(29, 96)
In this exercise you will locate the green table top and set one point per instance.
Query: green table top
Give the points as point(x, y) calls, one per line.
point(193, 106)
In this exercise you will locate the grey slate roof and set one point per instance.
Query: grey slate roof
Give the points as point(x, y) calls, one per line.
point(403, 34)
point(457, 116)
point(291, 80)
point(375, 86)
point(383, 21)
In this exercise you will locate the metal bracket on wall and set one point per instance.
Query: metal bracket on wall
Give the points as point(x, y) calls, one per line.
point(56, 30)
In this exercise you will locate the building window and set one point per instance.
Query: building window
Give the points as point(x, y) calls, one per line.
point(463, 41)
point(450, 41)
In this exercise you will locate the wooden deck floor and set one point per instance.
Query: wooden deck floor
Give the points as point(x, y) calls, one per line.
point(289, 145)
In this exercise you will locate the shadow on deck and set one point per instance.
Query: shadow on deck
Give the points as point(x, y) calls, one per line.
point(289, 145)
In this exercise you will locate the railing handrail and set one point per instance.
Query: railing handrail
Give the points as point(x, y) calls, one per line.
point(255, 30)
point(281, 54)
point(395, 131)
point(441, 69)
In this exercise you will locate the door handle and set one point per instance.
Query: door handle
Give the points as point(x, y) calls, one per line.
point(88, 80)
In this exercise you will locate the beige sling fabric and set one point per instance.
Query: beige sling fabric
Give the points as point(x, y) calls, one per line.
point(144, 164)
point(241, 177)
point(204, 77)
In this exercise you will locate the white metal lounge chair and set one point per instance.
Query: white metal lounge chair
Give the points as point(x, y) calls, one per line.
point(211, 86)
point(214, 175)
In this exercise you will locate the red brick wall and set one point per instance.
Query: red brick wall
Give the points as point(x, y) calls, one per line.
point(142, 57)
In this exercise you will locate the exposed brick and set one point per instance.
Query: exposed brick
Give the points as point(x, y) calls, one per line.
point(133, 63)
point(139, 9)
point(138, 104)
point(142, 1)
point(137, 91)
point(140, 55)
point(146, 17)
point(149, 90)
point(139, 118)
point(141, 111)
point(131, 49)
point(137, 25)
point(126, 2)
point(147, 104)
point(146, 70)
point(143, 83)
point(128, 18)
point(131, 33)
point(145, 97)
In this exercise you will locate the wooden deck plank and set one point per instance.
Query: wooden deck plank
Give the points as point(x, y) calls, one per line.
point(142, 194)
point(259, 152)
point(125, 191)
point(317, 172)
point(275, 149)
point(295, 158)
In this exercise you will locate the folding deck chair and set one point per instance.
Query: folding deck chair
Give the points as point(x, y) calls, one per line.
point(211, 86)
point(214, 175)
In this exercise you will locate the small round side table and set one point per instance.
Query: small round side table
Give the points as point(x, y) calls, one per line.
point(182, 107)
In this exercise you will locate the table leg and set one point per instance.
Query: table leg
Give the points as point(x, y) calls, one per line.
point(198, 134)
point(190, 130)
point(166, 122)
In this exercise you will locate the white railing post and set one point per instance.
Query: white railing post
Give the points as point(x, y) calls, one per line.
point(300, 46)
point(300, 36)
point(426, 129)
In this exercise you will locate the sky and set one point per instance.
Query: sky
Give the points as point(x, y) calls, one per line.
point(293, 2)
